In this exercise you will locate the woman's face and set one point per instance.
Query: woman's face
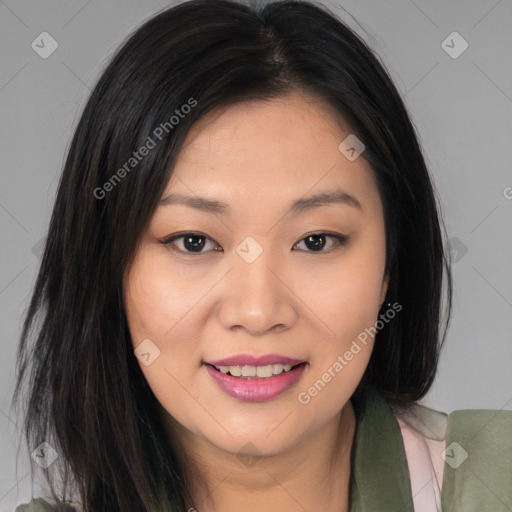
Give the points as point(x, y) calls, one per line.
point(248, 279)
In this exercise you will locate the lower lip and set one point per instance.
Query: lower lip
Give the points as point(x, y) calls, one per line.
point(255, 389)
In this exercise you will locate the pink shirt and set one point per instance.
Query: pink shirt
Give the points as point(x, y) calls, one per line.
point(424, 433)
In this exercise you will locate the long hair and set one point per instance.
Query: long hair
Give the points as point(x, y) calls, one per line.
point(86, 395)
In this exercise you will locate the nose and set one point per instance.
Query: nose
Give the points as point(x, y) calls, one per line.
point(258, 297)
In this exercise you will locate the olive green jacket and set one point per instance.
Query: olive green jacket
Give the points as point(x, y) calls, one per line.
point(476, 448)
point(475, 474)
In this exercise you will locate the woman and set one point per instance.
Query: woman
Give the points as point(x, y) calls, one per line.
point(199, 348)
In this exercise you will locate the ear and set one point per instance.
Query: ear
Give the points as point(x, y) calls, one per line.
point(384, 290)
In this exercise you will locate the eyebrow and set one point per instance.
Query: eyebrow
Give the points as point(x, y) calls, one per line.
point(335, 197)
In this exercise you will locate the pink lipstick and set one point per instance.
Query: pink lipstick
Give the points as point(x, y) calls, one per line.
point(256, 379)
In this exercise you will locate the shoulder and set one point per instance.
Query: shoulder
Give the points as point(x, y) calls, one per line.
point(41, 505)
point(465, 451)
point(478, 455)
point(462, 430)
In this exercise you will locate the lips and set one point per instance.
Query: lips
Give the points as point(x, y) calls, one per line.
point(250, 389)
point(249, 360)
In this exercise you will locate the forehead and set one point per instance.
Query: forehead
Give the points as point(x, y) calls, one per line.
point(279, 149)
point(294, 119)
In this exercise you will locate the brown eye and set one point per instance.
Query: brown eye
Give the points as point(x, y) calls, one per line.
point(195, 243)
point(192, 243)
point(315, 242)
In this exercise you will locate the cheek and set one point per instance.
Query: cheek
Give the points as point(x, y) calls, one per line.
point(160, 296)
point(345, 292)
point(159, 307)
point(346, 300)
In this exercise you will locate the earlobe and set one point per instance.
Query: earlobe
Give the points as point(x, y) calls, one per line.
point(384, 290)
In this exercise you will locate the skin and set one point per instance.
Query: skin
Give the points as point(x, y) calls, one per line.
point(258, 157)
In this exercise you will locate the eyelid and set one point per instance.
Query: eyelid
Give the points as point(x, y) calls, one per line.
point(340, 239)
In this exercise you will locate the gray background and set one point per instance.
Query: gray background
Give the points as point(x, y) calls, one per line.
point(462, 108)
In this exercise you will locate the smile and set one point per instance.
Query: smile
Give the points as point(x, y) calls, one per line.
point(260, 372)
point(256, 383)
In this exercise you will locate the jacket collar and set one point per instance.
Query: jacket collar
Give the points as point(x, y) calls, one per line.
point(380, 477)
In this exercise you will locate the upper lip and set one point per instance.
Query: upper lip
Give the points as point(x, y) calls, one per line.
point(247, 359)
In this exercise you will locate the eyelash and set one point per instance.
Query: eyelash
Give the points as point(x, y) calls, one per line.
point(341, 241)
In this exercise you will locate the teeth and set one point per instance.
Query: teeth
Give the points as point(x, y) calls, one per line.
point(248, 371)
point(236, 371)
point(262, 372)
